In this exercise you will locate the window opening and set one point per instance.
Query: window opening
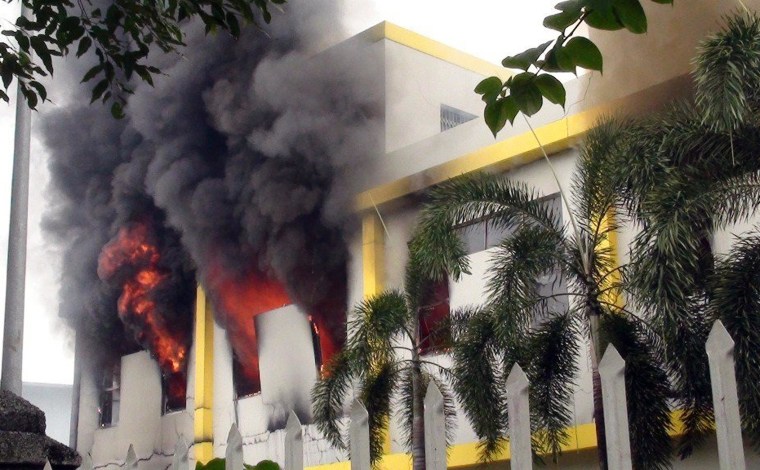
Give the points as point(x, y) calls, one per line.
point(173, 397)
point(433, 328)
point(452, 117)
point(244, 382)
point(110, 394)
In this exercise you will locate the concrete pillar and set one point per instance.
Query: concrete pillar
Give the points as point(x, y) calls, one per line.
point(13, 333)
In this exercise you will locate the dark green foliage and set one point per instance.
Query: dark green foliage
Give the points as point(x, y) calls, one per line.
point(552, 354)
point(683, 174)
point(121, 37)
point(383, 361)
point(521, 323)
point(526, 91)
point(736, 302)
point(219, 464)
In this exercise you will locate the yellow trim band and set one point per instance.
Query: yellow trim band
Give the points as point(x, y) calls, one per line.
point(412, 40)
point(203, 419)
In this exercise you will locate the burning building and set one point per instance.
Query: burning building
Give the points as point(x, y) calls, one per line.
point(227, 224)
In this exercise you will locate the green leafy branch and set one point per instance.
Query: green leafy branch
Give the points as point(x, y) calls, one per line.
point(122, 36)
point(525, 92)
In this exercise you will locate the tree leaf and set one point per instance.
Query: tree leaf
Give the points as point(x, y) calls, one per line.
point(40, 89)
point(526, 94)
point(584, 53)
point(499, 112)
point(551, 88)
point(117, 110)
point(92, 72)
point(84, 46)
point(560, 21)
point(41, 49)
point(602, 16)
point(98, 90)
point(489, 88)
point(631, 14)
point(526, 58)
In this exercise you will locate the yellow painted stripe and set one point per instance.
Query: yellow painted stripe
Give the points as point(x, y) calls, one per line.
point(521, 149)
point(509, 153)
point(580, 438)
point(203, 430)
point(373, 254)
point(405, 37)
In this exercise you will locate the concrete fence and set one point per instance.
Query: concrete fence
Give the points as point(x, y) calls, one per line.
point(720, 351)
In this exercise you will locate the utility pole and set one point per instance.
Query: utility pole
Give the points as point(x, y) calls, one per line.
point(13, 332)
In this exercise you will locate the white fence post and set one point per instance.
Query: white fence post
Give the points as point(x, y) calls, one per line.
point(435, 429)
point(359, 435)
point(720, 353)
point(86, 462)
point(180, 460)
point(612, 374)
point(131, 461)
point(293, 443)
point(518, 406)
point(47, 465)
point(234, 454)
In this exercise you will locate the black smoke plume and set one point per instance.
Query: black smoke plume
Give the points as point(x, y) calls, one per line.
point(239, 154)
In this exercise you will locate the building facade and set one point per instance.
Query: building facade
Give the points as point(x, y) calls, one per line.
point(431, 131)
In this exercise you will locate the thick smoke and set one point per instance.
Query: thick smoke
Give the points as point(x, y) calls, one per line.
point(238, 156)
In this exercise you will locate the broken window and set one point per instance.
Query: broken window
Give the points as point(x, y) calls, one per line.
point(110, 394)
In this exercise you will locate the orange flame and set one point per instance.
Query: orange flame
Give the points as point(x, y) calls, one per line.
point(132, 252)
point(240, 299)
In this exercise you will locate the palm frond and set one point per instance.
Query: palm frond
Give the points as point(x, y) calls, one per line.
point(328, 397)
point(552, 368)
point(736, 302)
point(728, 73)
point(478, 383)
point(512, 286)
point(460, 202)
point(373, 328)
point(376, 395)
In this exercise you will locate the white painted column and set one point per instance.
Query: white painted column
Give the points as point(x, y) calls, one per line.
point(293, 443)
point(435, 429)
point(720, 353)
point(13, 329)
point(612, 374)
point(359, 436)
point(518, 406)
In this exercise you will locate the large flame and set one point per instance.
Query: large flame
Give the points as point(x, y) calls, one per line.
point(239, 298)
point(132, 261)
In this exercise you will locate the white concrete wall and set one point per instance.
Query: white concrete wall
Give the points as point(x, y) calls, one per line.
point(141, 424)
point(288, 372)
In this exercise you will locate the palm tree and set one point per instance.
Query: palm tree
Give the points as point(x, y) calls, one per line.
point(683, 175)
point(383, 361)
point(521, 322)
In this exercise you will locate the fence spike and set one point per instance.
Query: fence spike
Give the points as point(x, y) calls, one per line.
point(180, 459)
point(435, 429)
point(233, 456)
point(293, 443)
point(47, 465)
point(131, 461)
point(86, 462)
point(720, 354)
point(612, 374)
point(359, 435)
point(518, 406)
